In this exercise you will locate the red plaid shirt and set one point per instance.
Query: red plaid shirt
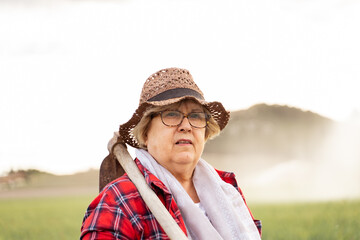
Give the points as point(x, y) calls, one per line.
point(119, 212)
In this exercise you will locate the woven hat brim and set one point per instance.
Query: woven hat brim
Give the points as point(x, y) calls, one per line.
point(216, 109)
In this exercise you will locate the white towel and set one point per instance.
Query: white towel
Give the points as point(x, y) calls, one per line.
point(227, 214)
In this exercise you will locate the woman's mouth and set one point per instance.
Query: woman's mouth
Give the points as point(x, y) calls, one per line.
point(183, 141)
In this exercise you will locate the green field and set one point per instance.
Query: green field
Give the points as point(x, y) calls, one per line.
point(329, 220)
point(42, 218)
point(60, 218)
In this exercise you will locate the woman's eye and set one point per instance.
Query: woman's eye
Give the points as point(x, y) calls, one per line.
point(196, 115)
point(172, 114)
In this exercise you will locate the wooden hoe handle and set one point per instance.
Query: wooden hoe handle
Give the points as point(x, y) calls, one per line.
point(157, 208)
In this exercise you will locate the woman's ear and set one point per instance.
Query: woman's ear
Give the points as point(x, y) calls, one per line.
point(145, 140)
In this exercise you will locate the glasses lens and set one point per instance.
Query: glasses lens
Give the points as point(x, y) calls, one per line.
point(197, 119)
point(171, 118)
point(174, 118)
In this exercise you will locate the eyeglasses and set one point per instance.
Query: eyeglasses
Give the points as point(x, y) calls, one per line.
point(172, 118)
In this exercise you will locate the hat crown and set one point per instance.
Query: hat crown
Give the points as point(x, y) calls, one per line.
point(167, 79)
point(165, 87)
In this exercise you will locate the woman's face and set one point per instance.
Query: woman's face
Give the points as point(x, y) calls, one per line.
point(176, 146)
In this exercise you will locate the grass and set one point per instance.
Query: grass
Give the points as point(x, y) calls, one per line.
point(311, 221)
point(60, 218)
point(42, 218)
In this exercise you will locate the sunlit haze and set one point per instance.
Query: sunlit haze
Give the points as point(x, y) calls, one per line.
point(72, 71)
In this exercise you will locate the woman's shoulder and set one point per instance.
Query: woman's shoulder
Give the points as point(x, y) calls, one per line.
point(119, 195)
point(119, 187)
point(116, 210)
point(228, 177)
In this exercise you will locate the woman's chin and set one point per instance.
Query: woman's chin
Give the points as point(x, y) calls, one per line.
point(186, 158)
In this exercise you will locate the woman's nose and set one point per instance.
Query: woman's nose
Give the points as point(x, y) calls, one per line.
point(185, 125)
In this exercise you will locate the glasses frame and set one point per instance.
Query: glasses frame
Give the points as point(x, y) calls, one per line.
point(207, 117)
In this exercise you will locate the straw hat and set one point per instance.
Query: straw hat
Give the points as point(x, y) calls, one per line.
point(165, 87)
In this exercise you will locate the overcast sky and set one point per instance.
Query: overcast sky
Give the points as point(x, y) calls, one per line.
point(72, 71)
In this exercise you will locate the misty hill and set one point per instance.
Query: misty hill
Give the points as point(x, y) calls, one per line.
point(34, 183)
point(277, 153)
point(273, 132)
point(285, 153)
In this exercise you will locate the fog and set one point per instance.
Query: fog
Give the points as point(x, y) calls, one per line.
point(71, 72)
point(332, 174)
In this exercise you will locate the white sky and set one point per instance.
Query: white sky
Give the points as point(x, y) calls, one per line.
point(72, 71)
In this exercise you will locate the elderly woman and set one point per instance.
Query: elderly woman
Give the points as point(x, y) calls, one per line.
point(169, 130)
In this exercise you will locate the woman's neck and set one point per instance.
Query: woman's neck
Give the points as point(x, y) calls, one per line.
point(186, 182)
point(191, 190)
